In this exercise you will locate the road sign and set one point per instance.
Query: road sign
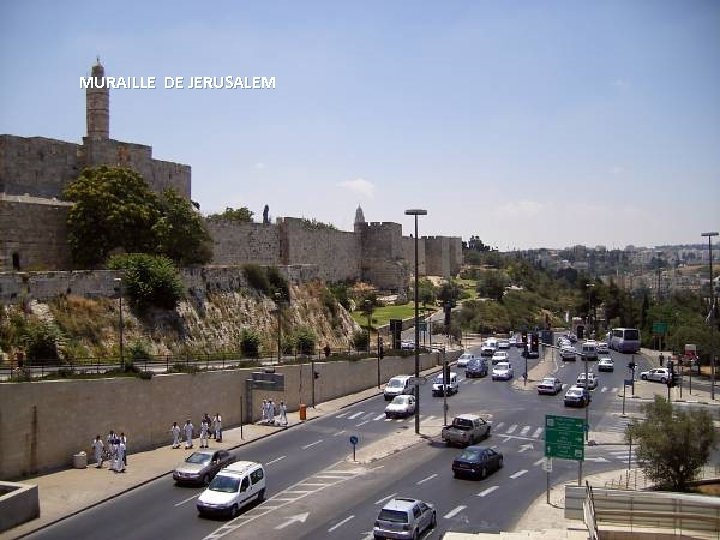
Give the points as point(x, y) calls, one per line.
point(564, 437)
point(628, 382)
point(412, 381)
point(354, 440)
point(422, 326)
point(659, 328)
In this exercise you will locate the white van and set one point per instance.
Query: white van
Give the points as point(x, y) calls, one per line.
point(450, 386)
point(589, 351)
point(397, 386)
point(234, 487)
point(464, 358)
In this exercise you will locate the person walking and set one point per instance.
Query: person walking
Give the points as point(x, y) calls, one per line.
point(271, 412)
point(217, 424)
point(110, 452)
point(120, 457)
point(283, 414)
point(204, 430)
point(123, 441)
point(175, 430)
point(188, 434)
point(264, 411)
point(98, 448)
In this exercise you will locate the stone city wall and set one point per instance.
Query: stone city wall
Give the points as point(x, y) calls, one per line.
point(437, 255)
point(382, 241)
point(408, 247)
point(336, 253)
point(242, 243)
point(34, 230)
point(37, 166)
point(42, 424)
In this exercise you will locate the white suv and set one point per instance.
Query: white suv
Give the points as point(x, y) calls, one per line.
point(233, 487)
point(404, 518)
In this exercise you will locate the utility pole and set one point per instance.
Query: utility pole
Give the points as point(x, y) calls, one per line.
point(713, 322)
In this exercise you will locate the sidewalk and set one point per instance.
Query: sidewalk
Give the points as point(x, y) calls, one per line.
point(68, 492)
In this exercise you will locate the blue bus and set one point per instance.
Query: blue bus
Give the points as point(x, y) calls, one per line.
point(625, 340)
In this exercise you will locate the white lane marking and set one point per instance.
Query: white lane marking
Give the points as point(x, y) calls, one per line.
point(388, 420)
point(292, 519)
point(539, 462)
point(354, 416)
point(525, 447)
point(362, 423)
point(311, 444)
point(487, 491)
point(596, 459)
point(614, 389)
point(188, 499)
point(339, 433)
point(275, 460)
point(340, 523)
point(512, 429)
point(379, 416)
point(399, 419)
point(425, 479)
point(380, 501)
point(499, 425)
point(518, 474)
point(328, 477)
point(368, 536)
point(565, 386)
point(427, 419)
point(342, 415)
point(524, 431)
point(454, 511)
point(603, 389)
point(537, 433)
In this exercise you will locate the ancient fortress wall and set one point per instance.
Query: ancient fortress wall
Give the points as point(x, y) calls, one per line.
point(242, 243)
point(336, 253)
point(408, 246)
point(33, 234)
point(36, 165)
point(437, 255)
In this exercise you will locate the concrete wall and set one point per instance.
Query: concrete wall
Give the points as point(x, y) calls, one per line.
point(42, 424)
point(35, 230)
point(18, 503)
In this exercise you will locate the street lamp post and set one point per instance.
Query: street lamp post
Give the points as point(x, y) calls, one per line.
point(589, 286)
point(278, 297)
point(713, 323)
point(122, 355)
point(417, 212)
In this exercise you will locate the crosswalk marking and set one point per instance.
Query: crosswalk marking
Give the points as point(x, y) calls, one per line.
point(342, 415)
point(499, 425)
point(524, 431)
point(603, 389)
point(511, 429)
point(354, 416)
point(537, 433)
point(379, 416)
point(615, 389)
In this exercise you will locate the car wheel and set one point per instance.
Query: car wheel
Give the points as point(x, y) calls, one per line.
point(663, 380)
point(643, 377)
point(483, 472)
point(206, 480)
point(416, 534)
point(261, 495)
point(234, 511)
point(433, 523)
point(501, 464)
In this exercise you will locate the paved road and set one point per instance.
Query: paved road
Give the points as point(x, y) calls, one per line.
point(318, 449)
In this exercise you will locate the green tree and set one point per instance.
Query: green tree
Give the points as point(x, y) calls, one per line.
point(180, 230)
point(250, 343)
point(427, 292)
point(237, 215)
point(491, 284)
point(305, 339)
point(114, 208)
point(449, 291)
point(672, 445)
point(149, 280)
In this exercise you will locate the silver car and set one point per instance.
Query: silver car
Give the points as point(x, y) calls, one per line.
point(200, 467)
point(404, 518)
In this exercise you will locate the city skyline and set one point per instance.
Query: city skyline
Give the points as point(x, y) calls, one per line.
point(528, 125)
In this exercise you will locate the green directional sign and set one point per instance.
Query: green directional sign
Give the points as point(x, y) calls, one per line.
point(564, 437)
point(659, 328)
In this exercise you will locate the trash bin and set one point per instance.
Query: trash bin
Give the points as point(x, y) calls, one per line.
point(80, 460)
point(303, 411)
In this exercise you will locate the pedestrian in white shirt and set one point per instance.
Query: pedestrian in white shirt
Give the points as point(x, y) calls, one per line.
point(175, 430)
point(98, 448)
point(217, 421)
point(188, 434)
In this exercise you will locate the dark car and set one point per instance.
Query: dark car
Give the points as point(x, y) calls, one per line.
point(200, 467)
point(477, 462)
point(476, 367)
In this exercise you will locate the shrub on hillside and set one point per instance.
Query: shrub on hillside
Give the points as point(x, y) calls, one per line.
point(306, 339)
point(148, 280)
point(250, 343)
point(361, 340)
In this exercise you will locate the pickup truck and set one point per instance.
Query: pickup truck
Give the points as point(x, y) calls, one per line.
point(466, 429)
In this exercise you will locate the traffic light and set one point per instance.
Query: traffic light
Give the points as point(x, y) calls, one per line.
point(524, 337)
point(381, 348)
point(446, 372)
point(672, 380)
point(448, 310)
point(535, 343)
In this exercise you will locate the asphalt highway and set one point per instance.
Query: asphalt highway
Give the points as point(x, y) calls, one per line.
point(318, 450)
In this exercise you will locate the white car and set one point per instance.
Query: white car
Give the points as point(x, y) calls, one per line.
point(550, 385)
point(400, 407)
point(658, 374)
point(233, 487)
point(568, 353)
point(503, 344)
point(500, 356)
point(602, 347)
point(502, 371)
point(606, 364)
point(464, 358)
point(592, 381)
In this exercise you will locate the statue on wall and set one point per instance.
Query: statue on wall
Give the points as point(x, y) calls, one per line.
point(266, 214)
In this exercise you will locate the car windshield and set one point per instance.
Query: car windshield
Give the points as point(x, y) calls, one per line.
point(502, 365)
point(395, 383)
point(474, 363)
point(463, 424)
point(548, 381)
point(395, 516)
point(471, 454)
point(575, 392)
point(225, 484)
point(400, 400)
point(197, 457)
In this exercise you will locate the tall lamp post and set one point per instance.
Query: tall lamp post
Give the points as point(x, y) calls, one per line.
point(587, 382)
point(417, 212)
point(589, 287)
point(118, 280)
point(713, 322)
point(278, 300)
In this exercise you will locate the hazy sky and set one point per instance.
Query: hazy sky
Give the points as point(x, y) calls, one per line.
point(528, 123)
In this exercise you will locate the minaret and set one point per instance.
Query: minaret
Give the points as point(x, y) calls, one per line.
point(97, 105)
point(359, 219)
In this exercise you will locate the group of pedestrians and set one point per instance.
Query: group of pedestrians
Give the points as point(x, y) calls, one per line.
point(208, 426)
point(270, 411)
point(114, 450)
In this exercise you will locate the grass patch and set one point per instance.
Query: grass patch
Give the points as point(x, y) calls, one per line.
point(382, 315)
